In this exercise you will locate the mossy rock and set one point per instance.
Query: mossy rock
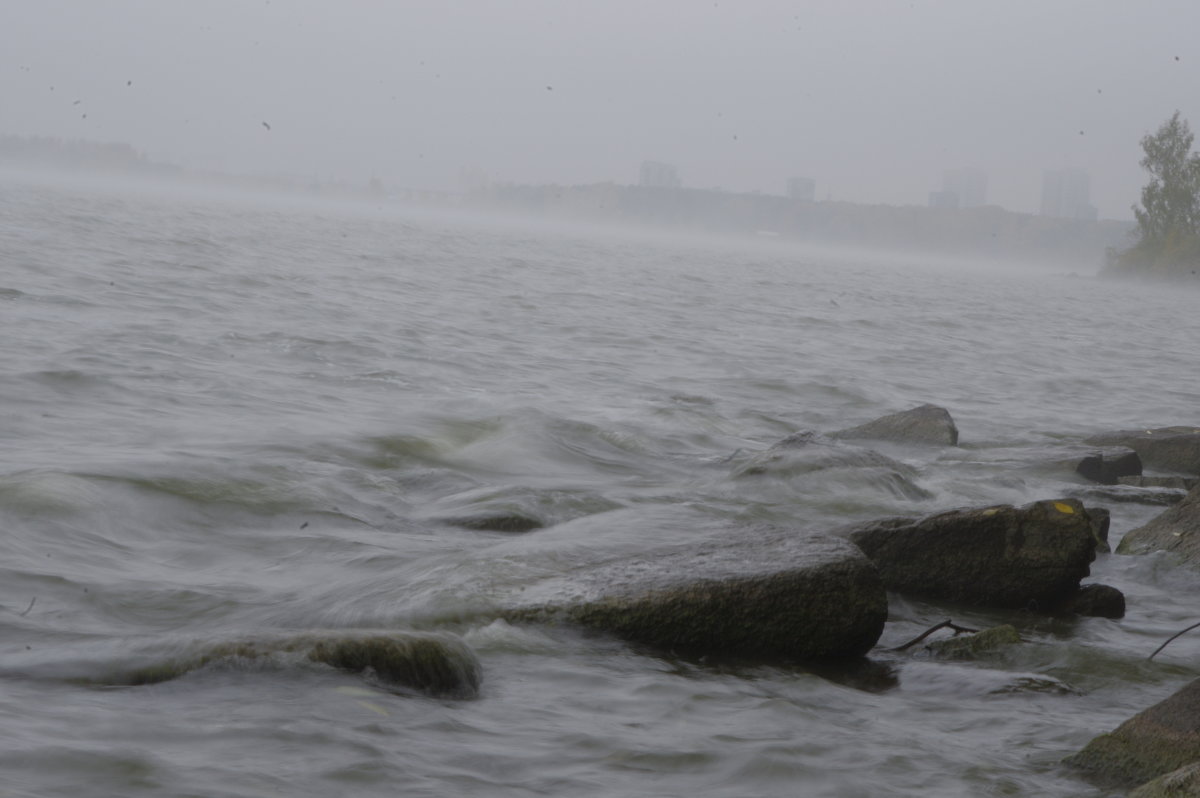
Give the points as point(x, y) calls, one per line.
point(974, 646)
point(1152, 743)
point(436, 664)
point(1030, 557)
point(1182, 783)
point(1176, 530)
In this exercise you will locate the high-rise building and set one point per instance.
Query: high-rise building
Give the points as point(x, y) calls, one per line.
point(943, 199)
point(801, 188)
point(1066, 194)
point(658, 175)
point(969, 184)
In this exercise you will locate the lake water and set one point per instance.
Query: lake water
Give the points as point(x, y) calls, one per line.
point(227, 416)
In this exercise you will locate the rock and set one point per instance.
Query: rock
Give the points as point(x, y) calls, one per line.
point(1006, 557)
point(928, 424)
point(1164, 448)
point(1096, 601)
point(1152, 743)
point(1182, 783)
point(973, 646)
point(805, 453)
point(499, 522)
point(1176, 530)
point(1125, 494)
point(1101, 519)
point(1172, 483)
point(1108, 467)
point(772, 593)
point(437, 664)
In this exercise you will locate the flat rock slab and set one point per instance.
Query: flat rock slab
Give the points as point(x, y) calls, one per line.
point(926, 424)
point(1177, 530)
point(1003, 556)
point(766, 593)
point(1165, 448)
point(1152, 743)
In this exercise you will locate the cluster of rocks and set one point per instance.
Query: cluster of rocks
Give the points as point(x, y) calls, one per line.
point(765, 591)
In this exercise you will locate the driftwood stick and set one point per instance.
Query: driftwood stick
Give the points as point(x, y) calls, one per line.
point(946, 624)
point(1172, 637)
point(32, 600)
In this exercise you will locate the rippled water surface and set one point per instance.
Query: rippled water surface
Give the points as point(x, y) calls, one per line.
point(227, 417)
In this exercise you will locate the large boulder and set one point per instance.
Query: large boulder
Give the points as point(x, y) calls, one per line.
point(1003, 556)
point(1164, 448)
point(927, 424)
point(1177, 530)
point(771, 593)
point(1152, 743)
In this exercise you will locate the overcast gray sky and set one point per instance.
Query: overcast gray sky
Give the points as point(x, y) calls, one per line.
point(872, 99)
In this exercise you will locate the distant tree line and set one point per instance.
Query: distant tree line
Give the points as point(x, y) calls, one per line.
point(1168, 219)
point(76, 154)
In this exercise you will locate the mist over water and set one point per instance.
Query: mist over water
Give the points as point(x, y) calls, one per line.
point(235, 416)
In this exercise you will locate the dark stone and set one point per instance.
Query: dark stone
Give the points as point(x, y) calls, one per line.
point(1030, 557)
point(1108, 467)
point(772, 593)
point(1096, 601)
point(1164, 448)
point(1177, 530)
point(927, 424)
point(1100, 519)
point(1152, 743)
point(1125, 494)
point(507, 522)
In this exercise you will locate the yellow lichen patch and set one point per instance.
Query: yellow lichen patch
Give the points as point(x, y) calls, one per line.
point(1064, 508)
point(990, 511)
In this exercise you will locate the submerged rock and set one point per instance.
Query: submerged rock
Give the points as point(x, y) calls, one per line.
point(1096, 601)
point(1029, 557)
point(807, 452)
point(1177, 530)
point(975, 645)
point(768, 594)
point(1165, 448)
point(1171, 483)
point(1108, 467)
point(927, 424)
point(1152, 743)
point(437, 664)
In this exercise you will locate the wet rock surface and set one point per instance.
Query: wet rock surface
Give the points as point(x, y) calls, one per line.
point(777, 593)
point(1164, 448)
point(1109, 467)
point(1151, 744)
point(1031, 557)
point(1176, 530)
point(927, 424)
point(1096, 601)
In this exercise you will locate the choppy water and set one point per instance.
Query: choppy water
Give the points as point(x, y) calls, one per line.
point(225, 417)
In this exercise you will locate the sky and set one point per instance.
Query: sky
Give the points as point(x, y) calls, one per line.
point(874, 100)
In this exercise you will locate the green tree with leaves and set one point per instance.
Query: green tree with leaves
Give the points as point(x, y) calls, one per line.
point(1168, 219)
